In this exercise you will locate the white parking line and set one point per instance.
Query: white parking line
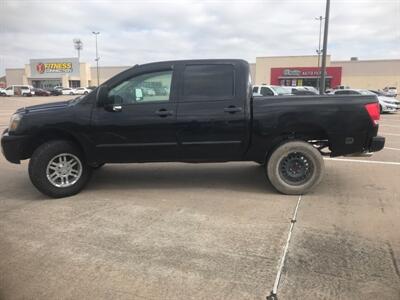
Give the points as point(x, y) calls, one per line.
point(384, 125)
point(394, 163)
point(389, 148)
point(387, 133)
point(274, 291)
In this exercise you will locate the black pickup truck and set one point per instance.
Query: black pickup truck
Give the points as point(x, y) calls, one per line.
point(189, 111)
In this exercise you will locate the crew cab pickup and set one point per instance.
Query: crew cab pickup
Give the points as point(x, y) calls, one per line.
point(189, 111)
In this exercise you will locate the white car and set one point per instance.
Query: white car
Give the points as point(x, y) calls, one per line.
point(270, 90)
point(68, 91)
point(82, 91)
point(387, 104)
point(20, 90)
point(391, 91)
point(2, 92)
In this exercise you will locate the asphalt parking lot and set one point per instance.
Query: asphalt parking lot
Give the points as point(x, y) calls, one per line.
point(203, 231)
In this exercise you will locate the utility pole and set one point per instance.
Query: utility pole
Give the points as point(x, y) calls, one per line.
point(320, 18)
point(324, 48)
point(97, 57)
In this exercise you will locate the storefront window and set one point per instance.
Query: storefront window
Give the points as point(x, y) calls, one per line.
point(74, 83)
point(46, 84)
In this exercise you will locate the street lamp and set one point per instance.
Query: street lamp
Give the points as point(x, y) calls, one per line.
point(97, 57)
point(78, 45)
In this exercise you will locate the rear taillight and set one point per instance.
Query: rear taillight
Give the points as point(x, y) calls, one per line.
point(374, 112)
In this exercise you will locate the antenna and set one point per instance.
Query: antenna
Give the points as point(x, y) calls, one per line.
point(78, 45)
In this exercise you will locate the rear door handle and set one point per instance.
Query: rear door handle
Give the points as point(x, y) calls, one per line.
point(164, 113)
point(232, 109)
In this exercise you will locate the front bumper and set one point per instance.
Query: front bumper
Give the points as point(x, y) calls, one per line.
point(12, 146)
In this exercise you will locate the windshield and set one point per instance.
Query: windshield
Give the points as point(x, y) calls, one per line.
point(366, 92)
point(281, 90)
point(378, 93)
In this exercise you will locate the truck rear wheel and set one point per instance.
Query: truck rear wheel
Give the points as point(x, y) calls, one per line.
point(295, 168)
point(57, 169)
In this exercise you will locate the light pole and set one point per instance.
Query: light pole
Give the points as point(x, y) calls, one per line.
point(324, 48)
point(97, 56)
point(78, 45)
point(320, 18)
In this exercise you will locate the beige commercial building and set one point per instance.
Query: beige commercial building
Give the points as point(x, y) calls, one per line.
point(279, 70)
point(67, 72)
point(303, 70)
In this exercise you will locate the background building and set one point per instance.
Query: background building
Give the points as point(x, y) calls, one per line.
point(303, 70)
point(276, 70)
point(67, 72)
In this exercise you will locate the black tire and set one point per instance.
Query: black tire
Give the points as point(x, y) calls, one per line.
point(85, 93)
point(295, 168)
point(40, 160)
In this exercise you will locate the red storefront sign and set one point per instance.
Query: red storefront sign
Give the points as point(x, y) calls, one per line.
point(334, 74)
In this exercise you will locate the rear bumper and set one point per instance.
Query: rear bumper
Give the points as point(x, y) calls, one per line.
point(376, 143)
point(12, 146)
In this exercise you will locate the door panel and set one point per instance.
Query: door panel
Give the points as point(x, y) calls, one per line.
point(211, 116)
point(207, 131)
point(136, 133)
point(138, 120)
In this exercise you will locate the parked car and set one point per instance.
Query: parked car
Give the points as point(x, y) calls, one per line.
point(304, 90)
point(218, 120)
point(391, 91)
point(68, 91)
point(20, 90)
point(2, 92)
point(55, 92)
point(386, 104)
point(82, 91)
point(41, 92)
point(270, 90)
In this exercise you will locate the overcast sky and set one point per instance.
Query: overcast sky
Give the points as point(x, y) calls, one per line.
point(142, 31)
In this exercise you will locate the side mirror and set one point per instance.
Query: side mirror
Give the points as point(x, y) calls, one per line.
point(102, 96)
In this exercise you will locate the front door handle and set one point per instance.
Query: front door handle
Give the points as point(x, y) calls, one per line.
point(232, 109)
point(117, 108)
point(164, 113)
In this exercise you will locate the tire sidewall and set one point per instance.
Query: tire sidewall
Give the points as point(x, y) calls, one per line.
point(274, 176)
point(38, 165)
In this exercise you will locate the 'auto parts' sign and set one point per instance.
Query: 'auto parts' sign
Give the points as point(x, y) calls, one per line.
point(50, 68)
point(54, 67)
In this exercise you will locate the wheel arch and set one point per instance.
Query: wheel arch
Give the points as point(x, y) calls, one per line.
point(302, 132)
point(49, 135)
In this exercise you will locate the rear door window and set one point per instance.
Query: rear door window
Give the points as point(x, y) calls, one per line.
point(265, 91)
point(207, 81)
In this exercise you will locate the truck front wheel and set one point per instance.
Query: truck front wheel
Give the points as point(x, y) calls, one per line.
point(295, 167)
point(57, 169)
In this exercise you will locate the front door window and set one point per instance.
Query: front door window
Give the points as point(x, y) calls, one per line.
point(150, 87)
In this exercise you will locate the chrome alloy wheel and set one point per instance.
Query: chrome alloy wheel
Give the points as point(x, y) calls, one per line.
point(64, 170)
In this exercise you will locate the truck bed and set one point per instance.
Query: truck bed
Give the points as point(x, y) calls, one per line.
point(341, 120)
